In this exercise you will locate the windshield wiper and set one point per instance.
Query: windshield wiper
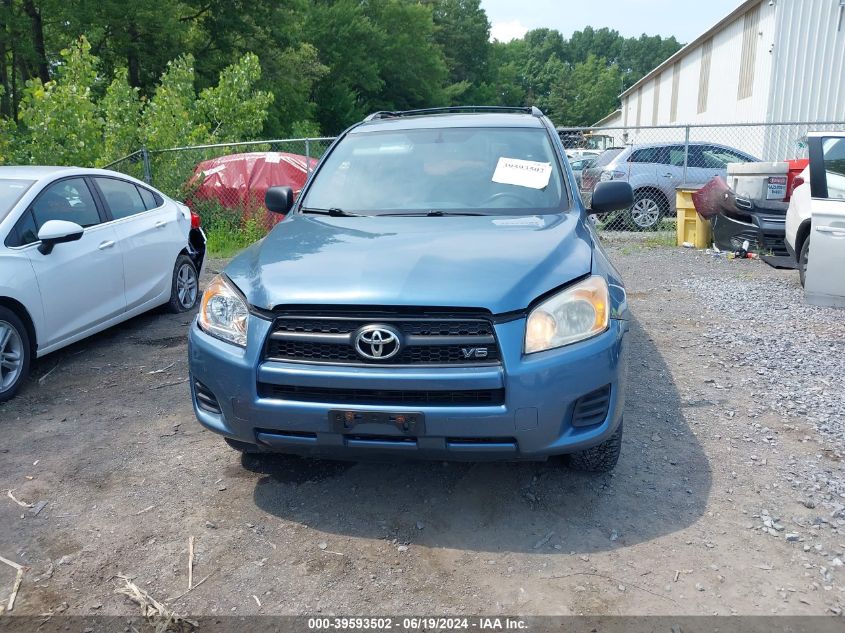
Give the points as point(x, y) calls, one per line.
point(334, 212)
point(429, 214)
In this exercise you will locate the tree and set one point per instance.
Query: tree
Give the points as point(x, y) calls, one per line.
point(63, 124)
point(234, 109)
point(326, 63)
point(169, 119)
point(586, 93)
point(347, 40)
point(462, 31)
point(121, 112)
point(66, 122)
point(411, 65)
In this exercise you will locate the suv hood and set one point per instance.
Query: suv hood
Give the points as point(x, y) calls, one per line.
point(498, 263)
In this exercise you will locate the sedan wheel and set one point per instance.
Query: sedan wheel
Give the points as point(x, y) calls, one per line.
point(645, 213)
point(185, 290)
point(186, 286)
point(12, 353)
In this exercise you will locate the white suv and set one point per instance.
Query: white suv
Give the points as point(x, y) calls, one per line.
point(817, 214)
point(82, 250)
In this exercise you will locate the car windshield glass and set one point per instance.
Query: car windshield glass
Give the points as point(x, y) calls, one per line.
point(10, 192)
point(457, 170)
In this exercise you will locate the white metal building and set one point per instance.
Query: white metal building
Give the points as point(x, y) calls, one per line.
point(767, 61)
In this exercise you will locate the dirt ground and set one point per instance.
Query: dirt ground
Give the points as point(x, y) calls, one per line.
point(104, 433)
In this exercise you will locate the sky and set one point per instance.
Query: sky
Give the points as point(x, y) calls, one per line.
point(685, 19)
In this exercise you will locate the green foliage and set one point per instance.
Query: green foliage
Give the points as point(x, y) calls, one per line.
point(462, 31)
point(71, 120)
point(347, 40)
point(8, 131)
point(121, 111)
point(585, 92)
point(234, 109)
point(297, 71)
point(63, 124)
point(169, 119)
point(305, 129)
point(272, 69)
point(227, 230)
point(408, 80)
point(575, 81)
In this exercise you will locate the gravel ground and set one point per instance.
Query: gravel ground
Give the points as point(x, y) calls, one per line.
point(727, 499)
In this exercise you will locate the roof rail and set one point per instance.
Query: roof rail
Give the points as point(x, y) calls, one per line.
point(388, 114)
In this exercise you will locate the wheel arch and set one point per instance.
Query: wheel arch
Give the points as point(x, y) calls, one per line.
point(801, 236)
point(23, 314)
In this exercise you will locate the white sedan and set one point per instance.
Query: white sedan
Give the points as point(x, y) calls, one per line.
point(82, 250)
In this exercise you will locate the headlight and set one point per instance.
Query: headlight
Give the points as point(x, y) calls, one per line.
point(223, 313)
point(612, 175)
point(572, 315)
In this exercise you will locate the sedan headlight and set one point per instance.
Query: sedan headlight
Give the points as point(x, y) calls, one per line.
point(577, 313)
point(223, 313)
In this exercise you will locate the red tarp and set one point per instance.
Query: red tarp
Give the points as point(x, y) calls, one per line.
point(239, 181)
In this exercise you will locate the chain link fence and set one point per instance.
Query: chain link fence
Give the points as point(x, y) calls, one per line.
point(225, 183)
point(659, 160)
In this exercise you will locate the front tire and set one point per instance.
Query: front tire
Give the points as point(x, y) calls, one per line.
point(803, 258)
point(184, 290)
point(647, 211)
point(601, 458)
point(15, 353)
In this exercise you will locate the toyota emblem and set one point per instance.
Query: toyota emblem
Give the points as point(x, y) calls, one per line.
point(377, 342)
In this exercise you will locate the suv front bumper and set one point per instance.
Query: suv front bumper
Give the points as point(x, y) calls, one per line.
point(535, 420)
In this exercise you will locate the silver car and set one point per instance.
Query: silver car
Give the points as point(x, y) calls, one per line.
point(579, 165)
point(656, 170)
point(82, 250)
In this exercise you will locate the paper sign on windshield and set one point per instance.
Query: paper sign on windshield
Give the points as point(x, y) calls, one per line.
point(522, 173)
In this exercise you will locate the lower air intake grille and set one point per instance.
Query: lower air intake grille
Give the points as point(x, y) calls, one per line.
point(376, 397)
point(205, 399)
point(592, 408)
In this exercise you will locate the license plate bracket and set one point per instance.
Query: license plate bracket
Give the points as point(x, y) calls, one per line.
point(411, 424)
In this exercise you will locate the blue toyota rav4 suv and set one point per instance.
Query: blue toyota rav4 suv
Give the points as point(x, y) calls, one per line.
point(436, 291)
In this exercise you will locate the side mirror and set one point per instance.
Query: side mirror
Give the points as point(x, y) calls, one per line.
point(58, 232)
point(279, 199)
point(611, 195)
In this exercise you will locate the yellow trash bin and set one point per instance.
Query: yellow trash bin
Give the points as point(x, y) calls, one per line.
point(692, 228)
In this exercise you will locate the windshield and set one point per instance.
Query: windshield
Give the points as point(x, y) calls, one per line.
point(444, 170)
point(10, 192)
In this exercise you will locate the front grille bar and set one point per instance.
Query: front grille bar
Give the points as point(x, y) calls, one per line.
point(411, 339)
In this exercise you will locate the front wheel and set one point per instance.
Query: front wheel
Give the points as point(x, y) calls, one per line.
point(184, 290)
point(601, 458)
point(15, 353)
point(803, 258)
point(647, 211)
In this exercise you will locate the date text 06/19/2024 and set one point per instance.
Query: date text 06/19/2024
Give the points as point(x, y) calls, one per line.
point(417, 623)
